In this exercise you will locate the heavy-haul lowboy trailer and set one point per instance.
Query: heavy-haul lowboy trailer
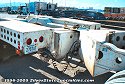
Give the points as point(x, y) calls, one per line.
point(62, 31)
point(64, 39)
point(101, 50)
point(25, 37)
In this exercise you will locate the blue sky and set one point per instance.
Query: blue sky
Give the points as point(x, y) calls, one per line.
point(98, 4)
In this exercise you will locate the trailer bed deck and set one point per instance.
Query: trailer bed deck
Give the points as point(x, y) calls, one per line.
point(22, 26)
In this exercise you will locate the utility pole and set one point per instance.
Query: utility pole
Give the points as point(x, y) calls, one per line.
point(65, 4)
point(10, 3)
point(29, 7)
point(10, 6)
point(39, 8)
point(52, 1)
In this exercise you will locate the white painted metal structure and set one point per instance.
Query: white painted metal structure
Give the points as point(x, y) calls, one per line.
point(81, 23)
point(59, 39)
point(64, 23)
point(63, 40)
point(26, 37)
point(103, 50)
point(63, 37)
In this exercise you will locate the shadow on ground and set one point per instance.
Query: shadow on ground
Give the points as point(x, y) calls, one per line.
point(18, 68)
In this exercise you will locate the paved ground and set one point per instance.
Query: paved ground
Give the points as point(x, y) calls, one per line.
point(30, 70)
point(5, 15)
point(29, 67)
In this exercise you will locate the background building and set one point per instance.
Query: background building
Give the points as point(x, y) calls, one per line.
point(115, 10)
